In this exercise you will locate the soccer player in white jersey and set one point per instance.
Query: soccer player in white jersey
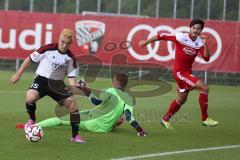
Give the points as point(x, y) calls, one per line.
point(188, 46)
point(56, 62)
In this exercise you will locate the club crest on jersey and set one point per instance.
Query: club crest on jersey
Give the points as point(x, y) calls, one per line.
point(189, 51)
point(89, 34)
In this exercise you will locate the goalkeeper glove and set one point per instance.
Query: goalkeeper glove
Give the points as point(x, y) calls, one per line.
point(141, 132)
point(83, 86)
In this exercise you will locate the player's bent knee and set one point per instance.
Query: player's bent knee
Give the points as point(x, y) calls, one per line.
point(32, 96)
point(73, 109)
point(70, 103)
point(31, 99)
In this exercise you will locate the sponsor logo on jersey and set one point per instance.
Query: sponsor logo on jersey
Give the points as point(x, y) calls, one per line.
point(189, 51)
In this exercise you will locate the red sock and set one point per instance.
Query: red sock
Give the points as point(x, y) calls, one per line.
point(173, 108)
point(203, 101)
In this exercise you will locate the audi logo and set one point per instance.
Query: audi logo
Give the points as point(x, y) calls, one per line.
point(152, 51)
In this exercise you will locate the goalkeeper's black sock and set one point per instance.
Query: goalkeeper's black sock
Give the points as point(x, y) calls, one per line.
point(31, 108)
point(75, 121)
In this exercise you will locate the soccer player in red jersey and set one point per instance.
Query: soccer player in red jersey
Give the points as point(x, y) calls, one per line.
point(188, 46)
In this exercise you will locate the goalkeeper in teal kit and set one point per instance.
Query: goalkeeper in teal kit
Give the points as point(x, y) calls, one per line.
point(111, 104)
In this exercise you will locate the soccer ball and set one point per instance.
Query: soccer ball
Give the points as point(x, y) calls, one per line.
point(33, 133)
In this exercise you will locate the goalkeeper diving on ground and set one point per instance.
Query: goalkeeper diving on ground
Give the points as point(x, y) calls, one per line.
point(111, 105)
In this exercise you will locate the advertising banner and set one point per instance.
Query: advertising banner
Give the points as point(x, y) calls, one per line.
point(105, 37)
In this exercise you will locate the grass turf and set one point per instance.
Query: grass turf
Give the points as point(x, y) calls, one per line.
point(188, 134)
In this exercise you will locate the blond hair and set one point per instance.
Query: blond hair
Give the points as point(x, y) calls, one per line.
point(67, 34)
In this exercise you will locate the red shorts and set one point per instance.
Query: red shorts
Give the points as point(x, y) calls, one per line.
point(185, 81)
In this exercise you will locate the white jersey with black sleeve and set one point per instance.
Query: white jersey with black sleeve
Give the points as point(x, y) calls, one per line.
point(53, 64)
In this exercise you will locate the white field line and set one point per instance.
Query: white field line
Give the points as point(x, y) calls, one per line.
point(177, 152)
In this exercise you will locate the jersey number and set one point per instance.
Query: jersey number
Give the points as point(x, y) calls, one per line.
point(34, 85)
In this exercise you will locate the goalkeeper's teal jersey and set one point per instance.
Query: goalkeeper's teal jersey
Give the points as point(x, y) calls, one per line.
point(105, 115)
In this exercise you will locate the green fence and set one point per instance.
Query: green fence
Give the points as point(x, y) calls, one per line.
point(226, 10)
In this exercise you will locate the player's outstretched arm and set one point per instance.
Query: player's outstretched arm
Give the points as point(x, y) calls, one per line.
point(130, 118)
point(83, 86)
point(20, 71)
point(143, 43)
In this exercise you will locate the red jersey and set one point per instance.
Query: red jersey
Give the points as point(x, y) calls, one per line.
point(186, 50)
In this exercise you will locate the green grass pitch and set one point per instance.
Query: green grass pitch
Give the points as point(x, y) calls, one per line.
point(224, 106)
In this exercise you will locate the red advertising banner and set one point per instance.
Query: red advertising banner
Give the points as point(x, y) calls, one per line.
point(107, 36)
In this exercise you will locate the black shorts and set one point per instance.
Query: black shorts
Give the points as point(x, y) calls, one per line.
point(56, 89)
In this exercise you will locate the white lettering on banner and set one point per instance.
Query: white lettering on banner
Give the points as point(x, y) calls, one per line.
point(48, 35)
point(12, 40)
point(152, 51)
point(23, 35)
point(34, 33)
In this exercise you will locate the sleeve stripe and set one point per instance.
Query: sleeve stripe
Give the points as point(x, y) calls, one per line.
point(31, 59)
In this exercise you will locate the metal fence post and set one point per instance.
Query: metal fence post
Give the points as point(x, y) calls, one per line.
point(138, 7)
point(157, 8)
point(6, 6)
point(55, 6)
point(17, 64)
point(192, 9)
point(77, 6)
point(175, 9)
point(140, 73)
point(208, 9)
point(99, 6)
point(119, 7)
point(205, 76)
point(31, 6)
point(239, 10)
point(224, 9)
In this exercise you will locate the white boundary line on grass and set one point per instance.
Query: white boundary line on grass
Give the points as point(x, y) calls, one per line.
point(177, 152)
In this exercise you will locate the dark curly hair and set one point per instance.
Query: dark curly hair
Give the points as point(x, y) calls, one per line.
point(197, 21)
